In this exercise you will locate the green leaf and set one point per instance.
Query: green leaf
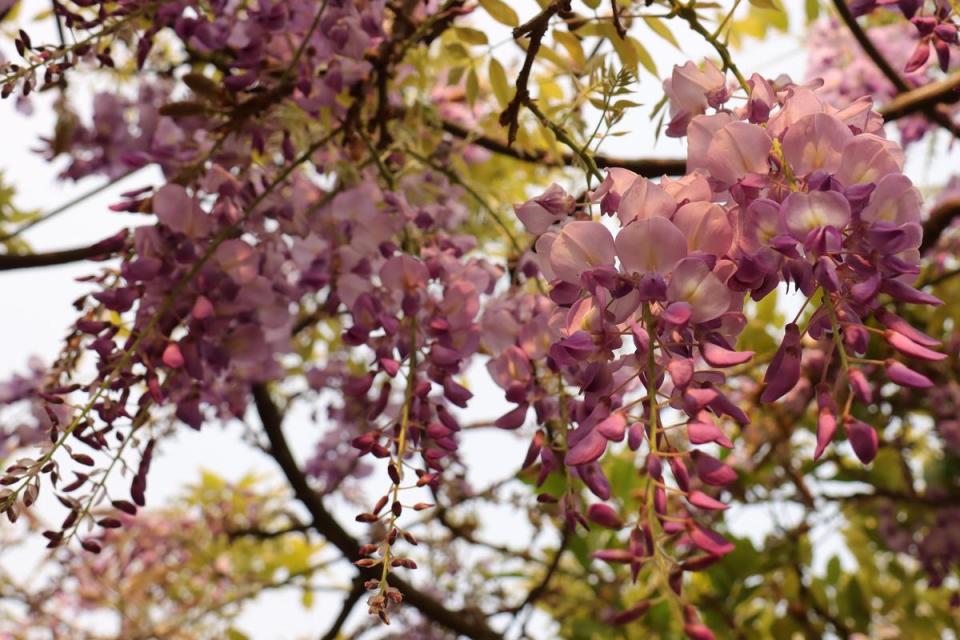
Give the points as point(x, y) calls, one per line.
point(235, 634)
point(765, 4)
point(812, 8)
point(499, 84)
point(501, 12)
point(833, 570)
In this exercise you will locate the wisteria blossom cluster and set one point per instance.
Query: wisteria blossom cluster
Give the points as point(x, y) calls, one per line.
point(934, 23)
point(835, 57)
point(786, 189)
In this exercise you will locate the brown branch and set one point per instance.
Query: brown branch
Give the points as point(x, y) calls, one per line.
point(263, 534)
point(617, 24)
point(839, 626)
point(464, 622)
point(945, 91)
point(541, 587)
point(535, 28)
point(100, 250)
point(879, 493)
point(940, 218)
point(648, 167)
point(356, 592)
point(932, 111)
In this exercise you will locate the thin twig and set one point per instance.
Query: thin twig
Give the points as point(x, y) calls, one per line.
point(535, 29)
point(462, 622)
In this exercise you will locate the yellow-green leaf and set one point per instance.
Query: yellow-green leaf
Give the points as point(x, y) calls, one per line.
point(499, 84)
point(656, 25)
point(572, 44)
point(473, 87)
point(643, 56)
point(470, 35)
point(501, 12)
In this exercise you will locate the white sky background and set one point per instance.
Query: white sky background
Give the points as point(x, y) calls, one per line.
point(37, 310)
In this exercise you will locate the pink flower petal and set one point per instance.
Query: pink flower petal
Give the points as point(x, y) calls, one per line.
point(738, 149)
point(894, 201)
point(815, 142)
point(650, 245)
point(905, 345)
point(717, 356)
point(804, 212)
point(903, 375)
point(582, 245)
point(703, 501)
point(867, 158)
point(710, 541)
point(172, 357)
point(694, 283)
point(645, 199)
point(706, 227)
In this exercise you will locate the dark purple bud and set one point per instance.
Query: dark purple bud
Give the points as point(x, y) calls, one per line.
point(710, 541)
point(456, 393)
point(634, 613)
point(863, 439)
point(711, 471)
point(826, 419)
point(784, 370)
point(588, 449)
point(604, 515)
point(613, 428)
point(943, 54)
point(680, 474)
point(513, 419)
point(861, 388)
point(920, 56)
point(905, 293)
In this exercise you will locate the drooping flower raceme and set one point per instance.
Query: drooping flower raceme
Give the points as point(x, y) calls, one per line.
point(649, 280)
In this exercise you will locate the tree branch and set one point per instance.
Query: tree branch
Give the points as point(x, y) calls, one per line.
point(356, 592)
point(647, 167)
point(535, 28)
point(99, 250)
point(940, 218)
point(464, 622)
point(945, 91)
